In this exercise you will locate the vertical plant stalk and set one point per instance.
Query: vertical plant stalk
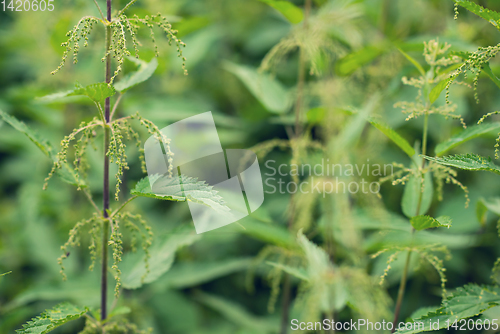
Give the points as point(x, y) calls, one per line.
point(285, 301)
point(301, 72)
point(401, 292)
point(105, 188)
point(404, 278)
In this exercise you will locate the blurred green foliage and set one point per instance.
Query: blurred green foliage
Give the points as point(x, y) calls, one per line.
point(232, 280)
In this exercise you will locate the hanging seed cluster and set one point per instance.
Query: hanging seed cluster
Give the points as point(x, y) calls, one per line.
point(74, 239)
point(112, 327)
point(446, 174)
point(116, 151)
point(118, 48)
point(81, 31)
point(474, 64)
point(497, 144)
point(86, 128)
point(117, 243)
point(160, 137)
point(137, 226)
point(427, 253)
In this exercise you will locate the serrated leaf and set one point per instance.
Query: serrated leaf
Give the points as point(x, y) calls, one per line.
point(96, 92)
point(466, 135)
point(180, 189)
point(436, 91)
point(134, 272)
point(485, 13)
point(414, 201)
point(468, 162)
point(466, 302)
point(423, 222)
point(394, 136)
point(291, 12)
point(65, 173)
point(270, 92)
point(53, 318)
point(143, 73)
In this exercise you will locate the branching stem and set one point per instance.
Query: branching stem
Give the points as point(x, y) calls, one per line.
point(116, 105)
point(100, 11)
point(123, 205)
point(126, 7)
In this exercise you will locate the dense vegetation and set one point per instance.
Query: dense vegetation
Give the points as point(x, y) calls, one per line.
point(377, 133)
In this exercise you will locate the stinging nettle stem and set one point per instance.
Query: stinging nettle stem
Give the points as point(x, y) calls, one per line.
point(404, 278)
point(105, 188)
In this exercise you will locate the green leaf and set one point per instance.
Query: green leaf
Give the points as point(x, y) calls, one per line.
point(291, 12)
point(466, 135)
point(297, 272)
point(485, 13)
point(414, 201)
point(66, 173)
point(481, 212)
point(414, 62)
point(316, 115)
point(267, 232)
point(238, 315)
point(134, 272)
point(492, 204)
point(422, 222)
point(41, 143)
point(53, 318)
point(467, 162)
point(96, 92)
point(5, 273)
point(180, 189)
point(189, 274)
point(466, 302)
point(487, 70)
point(143, 73)
point(350, 63)
point(394, 136)
point(270, 92)
point(60, 97)
point(120, 310)
point(436, 91)
point(317, 259)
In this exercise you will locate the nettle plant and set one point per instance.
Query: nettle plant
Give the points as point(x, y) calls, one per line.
point(328, 280)
point(106, 227)
point(419, 177)
point(471, 300)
